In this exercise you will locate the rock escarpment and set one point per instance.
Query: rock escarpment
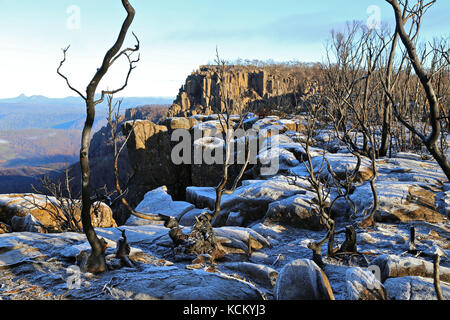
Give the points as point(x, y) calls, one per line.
point(250, 87)
point(150, 153)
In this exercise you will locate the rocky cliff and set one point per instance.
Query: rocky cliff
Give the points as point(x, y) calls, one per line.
point(151, 145)
point(253, 88)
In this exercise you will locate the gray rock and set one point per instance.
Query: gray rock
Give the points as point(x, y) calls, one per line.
point(188, 219)
point(298, 211)
point(363, 285)
point(302, 280)
point(235, 219)
point(258, 272)
point(392, 266)
point(251, 199)
point(179, 284)
point(26, 224)
point(414, 288)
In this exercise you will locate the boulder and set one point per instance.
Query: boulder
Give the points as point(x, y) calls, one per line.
point(291, 124)
point(298, 211)
point(410, 170)
point(397, 202)
point(392, 266)
point(341, 164)
point(257, 272)
point(158, 201)
point(414, 288)
point(239, 240)
point(251, 200)
point(211, 128)
point(175, 123)
point(46, 212)
point(188, 219)
point(302, 280)
point(27, 224)
point(235, 219)
point(277, 155)
point(363, 285)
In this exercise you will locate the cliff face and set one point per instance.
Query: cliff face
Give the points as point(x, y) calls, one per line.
point(254, 88)
point(150, 149)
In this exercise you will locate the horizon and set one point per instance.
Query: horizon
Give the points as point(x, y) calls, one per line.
point(176, 38)
point(22, 95)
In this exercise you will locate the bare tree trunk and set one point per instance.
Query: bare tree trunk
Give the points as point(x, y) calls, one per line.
point(430, 141)
point(96, 261)
point(387, 115)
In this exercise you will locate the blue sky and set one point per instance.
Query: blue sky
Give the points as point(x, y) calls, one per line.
point(176, 37)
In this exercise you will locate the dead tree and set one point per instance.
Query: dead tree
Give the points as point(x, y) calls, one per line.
point(416, 13)
point(60, 204)
point(201, 239)
point(113, 123)
point(229, 107)
point(352, 92)
point(321, 187)
point(96, 261)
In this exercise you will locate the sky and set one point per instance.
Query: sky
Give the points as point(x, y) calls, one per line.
point(177, 36)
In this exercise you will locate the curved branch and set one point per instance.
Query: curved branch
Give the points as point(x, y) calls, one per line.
point(112, 92)
point(64, 77)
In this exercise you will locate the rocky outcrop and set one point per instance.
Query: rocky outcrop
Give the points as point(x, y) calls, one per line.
point(149, 151)
point(251, 87)
point(48, 260)
point(298, 211)
point(37, 213)
point(251, 200)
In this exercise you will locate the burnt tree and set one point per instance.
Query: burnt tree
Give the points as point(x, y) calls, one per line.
point(431, 141)
point(96, 261)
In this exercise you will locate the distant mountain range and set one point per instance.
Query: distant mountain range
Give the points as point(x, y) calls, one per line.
point(77, 101)
point(40, 112)
point(39, 135)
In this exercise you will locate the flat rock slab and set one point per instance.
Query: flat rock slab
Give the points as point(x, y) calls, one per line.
point(172, 283)
point(414, 288)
